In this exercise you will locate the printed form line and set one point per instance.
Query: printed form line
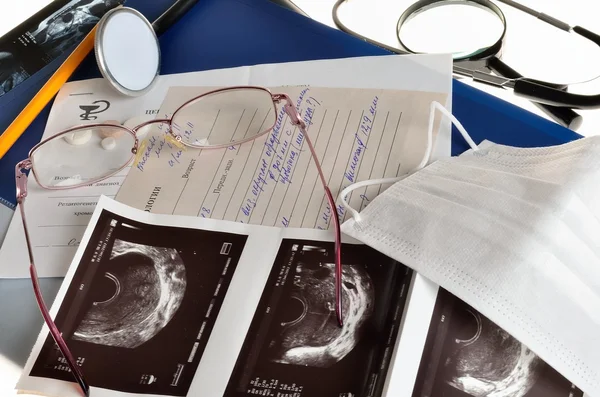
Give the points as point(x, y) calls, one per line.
point(321, 162)
point(362, 157)
point(221, 162)
point(261, 188)
point(288, 160)
point(199, 153)
point(253, 180)
point(237, 152)
point(390, 152)
point(285, 156)
point(331, 174)
point(352, 150)
point(373, 165)
point(308, 164)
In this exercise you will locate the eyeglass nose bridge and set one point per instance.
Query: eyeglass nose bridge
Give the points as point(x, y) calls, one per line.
point(149, 122)
point(135, 129)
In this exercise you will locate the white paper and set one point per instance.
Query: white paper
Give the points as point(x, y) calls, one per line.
point(235, 315)
point(450, 326)
point(273, 180)
point(57, 219)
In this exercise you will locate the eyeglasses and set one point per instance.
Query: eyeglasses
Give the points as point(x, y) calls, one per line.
point(84, 155)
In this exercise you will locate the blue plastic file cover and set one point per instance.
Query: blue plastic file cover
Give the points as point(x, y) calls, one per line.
point(228, 33)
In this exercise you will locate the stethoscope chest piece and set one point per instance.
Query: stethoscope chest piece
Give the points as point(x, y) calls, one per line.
point(127, 51)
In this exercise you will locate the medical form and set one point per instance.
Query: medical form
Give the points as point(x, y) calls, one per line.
point(57, 219)
point(358, 134)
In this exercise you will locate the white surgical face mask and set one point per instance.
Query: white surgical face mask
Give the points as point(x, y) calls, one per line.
point(513, 232)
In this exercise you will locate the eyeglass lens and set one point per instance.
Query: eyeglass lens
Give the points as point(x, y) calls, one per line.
point(246, 112)
point(82, 156)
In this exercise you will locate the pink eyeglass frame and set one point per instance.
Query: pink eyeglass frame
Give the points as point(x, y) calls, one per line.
point(28, 164)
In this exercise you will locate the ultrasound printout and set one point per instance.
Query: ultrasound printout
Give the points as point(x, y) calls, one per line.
point(295, 348)
point(142, 303)
point(468, 355)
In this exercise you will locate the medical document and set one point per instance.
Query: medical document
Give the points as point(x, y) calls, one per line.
point(247, 310)
point(273, 180)
point(57, 219)
point(239, 309)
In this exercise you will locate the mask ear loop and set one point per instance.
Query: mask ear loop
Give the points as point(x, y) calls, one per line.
point(426, 157)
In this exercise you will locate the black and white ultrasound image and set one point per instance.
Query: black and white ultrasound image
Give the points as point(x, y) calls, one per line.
point(467, 355)
point(295, 347)
point(142, 303)
point(23, 53)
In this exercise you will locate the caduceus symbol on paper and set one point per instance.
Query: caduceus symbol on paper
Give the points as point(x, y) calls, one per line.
point(93, 108)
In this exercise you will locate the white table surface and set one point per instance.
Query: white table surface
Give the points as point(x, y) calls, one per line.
point(527, 45)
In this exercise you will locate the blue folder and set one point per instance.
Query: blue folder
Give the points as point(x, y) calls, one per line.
point(228, 33)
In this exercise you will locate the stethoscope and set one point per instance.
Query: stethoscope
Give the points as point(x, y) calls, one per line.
point(554, 99)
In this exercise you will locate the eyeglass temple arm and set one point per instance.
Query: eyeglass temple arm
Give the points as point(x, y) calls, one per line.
point(21, 179)
point(296, 120)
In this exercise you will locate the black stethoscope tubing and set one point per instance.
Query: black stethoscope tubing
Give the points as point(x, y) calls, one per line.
point(487, 58)
point(551, 96)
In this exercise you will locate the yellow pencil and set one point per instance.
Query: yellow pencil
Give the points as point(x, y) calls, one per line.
point(46, 93)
